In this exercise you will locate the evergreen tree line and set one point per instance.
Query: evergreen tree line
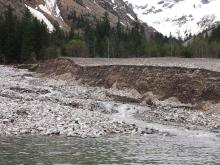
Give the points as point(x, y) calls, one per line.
point(22, 39)
point(106, 41)
point(27, 40)
point(103, 40)
point(207, 44)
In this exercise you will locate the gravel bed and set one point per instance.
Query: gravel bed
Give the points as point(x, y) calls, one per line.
point(43, 106)
point(198, 63)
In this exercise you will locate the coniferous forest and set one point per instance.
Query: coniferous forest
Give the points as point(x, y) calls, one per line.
point(27, 40)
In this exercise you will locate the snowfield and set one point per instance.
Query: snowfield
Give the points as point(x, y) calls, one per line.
point(178, 18)
point(49, 7)
point(40, 16)
point(35, 105)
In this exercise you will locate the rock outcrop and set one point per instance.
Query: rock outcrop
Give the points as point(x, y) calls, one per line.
point(17, 6)
point(62, 12)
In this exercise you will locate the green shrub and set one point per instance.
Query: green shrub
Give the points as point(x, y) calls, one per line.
point(76, 48)
point(52, 52)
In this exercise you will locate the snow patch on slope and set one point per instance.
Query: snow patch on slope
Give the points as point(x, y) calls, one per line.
point(129, 15)
point(41, 17)
point(50, 7)
point(178, 18)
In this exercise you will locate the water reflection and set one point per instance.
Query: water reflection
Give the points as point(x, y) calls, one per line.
point(152, 149)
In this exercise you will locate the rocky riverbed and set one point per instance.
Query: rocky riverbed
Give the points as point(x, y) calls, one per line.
point(43, 106)
point(36, 105)
point(195, 81)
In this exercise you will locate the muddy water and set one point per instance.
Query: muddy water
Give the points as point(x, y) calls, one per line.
point(150, 149)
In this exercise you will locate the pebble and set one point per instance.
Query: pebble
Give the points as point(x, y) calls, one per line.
point(5, 121)
point(48, 114)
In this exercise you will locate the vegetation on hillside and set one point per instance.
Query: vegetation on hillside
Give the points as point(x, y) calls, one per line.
point(26, 40)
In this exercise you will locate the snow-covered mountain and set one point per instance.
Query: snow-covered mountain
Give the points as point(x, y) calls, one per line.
point(62, 12)
point(44, 9)
point(178, 17)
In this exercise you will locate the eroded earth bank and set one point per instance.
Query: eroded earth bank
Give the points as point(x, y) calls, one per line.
point(75, 97)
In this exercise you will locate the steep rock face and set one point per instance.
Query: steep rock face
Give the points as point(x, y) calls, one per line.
point(119, 8)
point(94, 10)
point(16, 5)
point(60, 12)
point(88, 9)
point(125, 12)
point(178, 17)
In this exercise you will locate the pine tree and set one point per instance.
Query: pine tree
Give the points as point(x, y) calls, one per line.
point(2, 39)
point(118, 39)
point(10, 34)
point(40, 38)
point(27, 37)
point(107, 29)
point(90, 39)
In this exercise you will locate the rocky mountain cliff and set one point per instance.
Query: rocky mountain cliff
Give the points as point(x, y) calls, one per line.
point(16, 5)
point(60, 12)
point(178, 17)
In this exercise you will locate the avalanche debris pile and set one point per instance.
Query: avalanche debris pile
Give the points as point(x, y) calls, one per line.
point(30, 104)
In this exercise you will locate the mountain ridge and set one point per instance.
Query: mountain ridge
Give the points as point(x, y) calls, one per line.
point(60, 12)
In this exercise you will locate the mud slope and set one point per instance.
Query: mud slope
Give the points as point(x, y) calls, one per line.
point(189, 85)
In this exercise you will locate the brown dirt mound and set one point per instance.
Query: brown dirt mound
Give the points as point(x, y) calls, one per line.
point(188, 85)
point(57, 67)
